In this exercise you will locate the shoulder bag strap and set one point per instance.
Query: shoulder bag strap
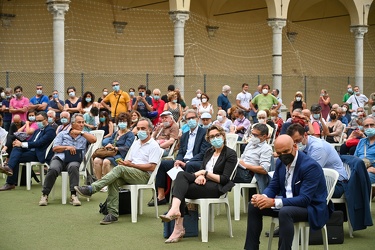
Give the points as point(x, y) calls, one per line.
point(356, 101)
point(118, 99)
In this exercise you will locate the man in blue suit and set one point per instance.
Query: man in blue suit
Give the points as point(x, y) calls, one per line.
point(193, 146)
point(32, 150)
point(301, 184)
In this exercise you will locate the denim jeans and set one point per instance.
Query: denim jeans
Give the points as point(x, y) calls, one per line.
point(118, 177)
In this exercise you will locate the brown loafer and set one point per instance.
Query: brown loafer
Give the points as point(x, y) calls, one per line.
point(6, 170)
point(7, 187)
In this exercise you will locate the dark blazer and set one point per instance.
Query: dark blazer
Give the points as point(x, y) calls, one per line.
point(357, 193)
point(224, 165)
point(308, 187)
point(200, 145)
point(46, 136)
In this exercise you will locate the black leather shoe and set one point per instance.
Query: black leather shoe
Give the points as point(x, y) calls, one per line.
point(275, 233)
point(7, 187)
point(151, 203)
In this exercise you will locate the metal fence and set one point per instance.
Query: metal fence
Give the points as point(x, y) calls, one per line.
point(211, 84)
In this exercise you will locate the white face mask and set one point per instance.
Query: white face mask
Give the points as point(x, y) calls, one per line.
point(298, 99)
point(199, 95)
point(344, 109)
point(265, 91)
point(254, 140)
point(273, 118)
point(301, 146)
point(204, 100)
point(105, 93)
point(219, 118)
point(262, 121)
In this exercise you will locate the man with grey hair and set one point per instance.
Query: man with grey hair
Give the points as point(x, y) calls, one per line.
point(167, 132)
point(144, 156)
point(196, 100)
point(67, 144)
point(256, 158)
point(157, 105)
point(222, 100)
point(52, 119)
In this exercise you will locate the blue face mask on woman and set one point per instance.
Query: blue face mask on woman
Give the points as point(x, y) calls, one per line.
point(31, 118)
point(102, 119)
point(370, 132)
point(217, 142)
point(122, 125)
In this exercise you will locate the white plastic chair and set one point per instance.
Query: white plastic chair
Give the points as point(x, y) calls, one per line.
point(303, 227)
point(3, 155)
point(232, 141)
point(99, 134)
point(342, 199)
point(171, 155)
point(29, 166)
point(237, 196)
point(136, 193)
point(207, 211)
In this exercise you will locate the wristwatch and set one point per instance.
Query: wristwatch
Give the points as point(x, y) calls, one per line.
point(82, 132)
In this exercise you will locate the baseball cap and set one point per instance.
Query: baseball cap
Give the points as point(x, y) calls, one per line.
point(206, 115)
point(165, 113)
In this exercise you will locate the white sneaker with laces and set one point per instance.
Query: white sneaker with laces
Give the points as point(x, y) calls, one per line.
point(43, 200)
point(74, 200)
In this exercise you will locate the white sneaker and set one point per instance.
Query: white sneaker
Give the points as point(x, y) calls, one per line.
point(43, 200)
point(104, 189)
point(74, 200)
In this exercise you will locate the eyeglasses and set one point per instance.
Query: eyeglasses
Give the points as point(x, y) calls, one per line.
point(190, 118)
point(214, 136)
point(371, 125)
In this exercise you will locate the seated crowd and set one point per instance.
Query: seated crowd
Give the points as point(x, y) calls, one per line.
point(141, 130)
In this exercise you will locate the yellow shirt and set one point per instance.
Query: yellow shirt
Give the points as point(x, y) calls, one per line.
point(122, 102)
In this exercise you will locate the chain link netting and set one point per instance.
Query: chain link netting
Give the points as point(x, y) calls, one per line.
point(211, 84)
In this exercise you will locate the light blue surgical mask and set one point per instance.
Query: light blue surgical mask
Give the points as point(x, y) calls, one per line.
point(175, 101)
point(360, 128)
point(131, 93)
point(40, 125)
point(301, 146)
point(50, 120)
point(217, 142)
point(122, 125)
point(316, 116)
point(102, 119)
point(116, 88)
point(192, 123)
point(357, 92)
point(55, 96)
point(370, 132)
point(64, 120)
point(31, 118)
point(72, 94)
point(156, 97)
point(88, 99)
point(142, 135)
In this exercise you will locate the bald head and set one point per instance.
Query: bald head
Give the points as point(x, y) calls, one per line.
point(283, 144)
point(306, 112)
point(16, 118)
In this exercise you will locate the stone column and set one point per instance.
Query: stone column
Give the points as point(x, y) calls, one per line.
point(179, 18)
point(277, 25)
point(359, 33)
point(58, 8)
